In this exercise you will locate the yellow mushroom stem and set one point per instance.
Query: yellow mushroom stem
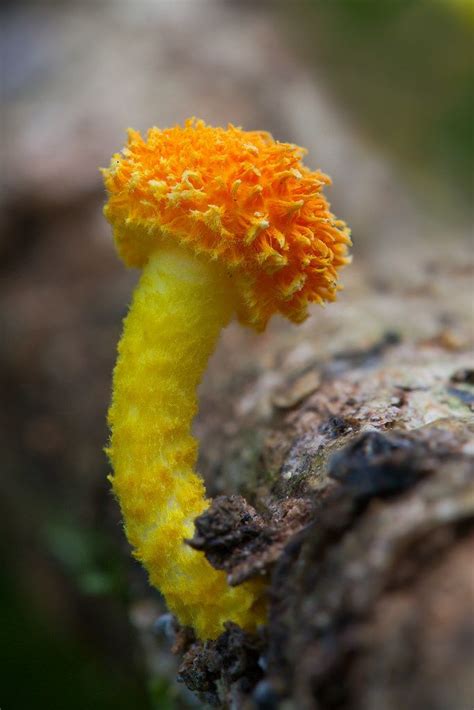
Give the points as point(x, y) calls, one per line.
point(179, 308)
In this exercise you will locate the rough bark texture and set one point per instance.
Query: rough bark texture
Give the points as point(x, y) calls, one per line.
point(355, 454)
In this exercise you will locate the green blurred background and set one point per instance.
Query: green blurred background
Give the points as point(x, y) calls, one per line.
point(380, 91)
point(404, 71)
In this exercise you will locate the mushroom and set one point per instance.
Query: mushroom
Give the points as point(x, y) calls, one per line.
point(223, 222)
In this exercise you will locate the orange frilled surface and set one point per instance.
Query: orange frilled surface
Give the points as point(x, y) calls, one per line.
point(238, 197)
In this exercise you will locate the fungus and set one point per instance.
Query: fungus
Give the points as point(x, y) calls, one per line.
point(222, 222)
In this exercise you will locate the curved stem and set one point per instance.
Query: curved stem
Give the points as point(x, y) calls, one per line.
point(178, 310)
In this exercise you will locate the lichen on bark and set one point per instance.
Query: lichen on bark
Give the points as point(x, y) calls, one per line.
point(359, 500)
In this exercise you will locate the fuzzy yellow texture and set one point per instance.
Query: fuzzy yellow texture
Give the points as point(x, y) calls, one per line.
point(222, 221)
point(178, 310)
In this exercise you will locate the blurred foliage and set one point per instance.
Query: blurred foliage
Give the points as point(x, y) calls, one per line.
point(43, 668)
point(164, 694)
point(67, 650)
point(87, 557)
point(404, 69)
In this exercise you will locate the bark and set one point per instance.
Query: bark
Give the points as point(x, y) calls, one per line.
point(351, 440)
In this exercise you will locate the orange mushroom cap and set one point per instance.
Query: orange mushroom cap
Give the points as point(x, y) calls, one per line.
point(235, 196)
